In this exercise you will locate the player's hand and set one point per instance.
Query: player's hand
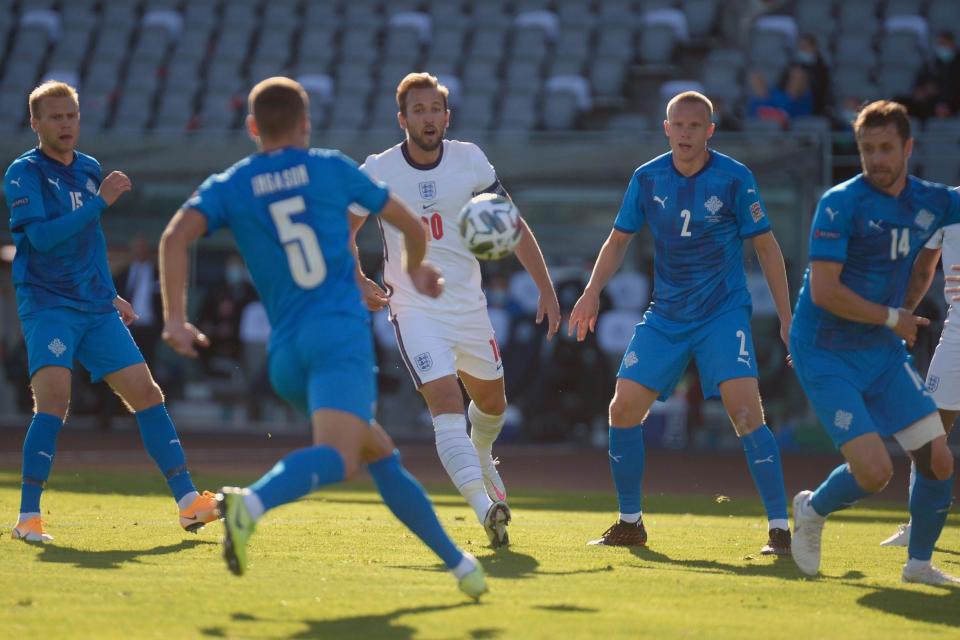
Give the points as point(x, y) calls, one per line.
point(548, 306)
point(427, 280)
point(584, 316)
point(127, 314)
point(183, 337)
point(113, 185)
point(785, 337)
point(373, 295)
point(954, 279)
point(907, 325)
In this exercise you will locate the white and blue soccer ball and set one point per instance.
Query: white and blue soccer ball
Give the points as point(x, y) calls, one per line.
point(490, 226)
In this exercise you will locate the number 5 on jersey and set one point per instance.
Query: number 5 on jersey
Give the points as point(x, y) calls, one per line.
point(303, 250)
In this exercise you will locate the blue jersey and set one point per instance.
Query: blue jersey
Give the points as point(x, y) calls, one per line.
point(877, 237)
point(288, 212)
point(698, 225)
point(74, 273)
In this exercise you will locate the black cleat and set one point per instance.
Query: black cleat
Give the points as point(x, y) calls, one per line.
point(778, 544)
point(624, 534)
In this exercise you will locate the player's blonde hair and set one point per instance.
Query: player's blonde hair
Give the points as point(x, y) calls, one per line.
point(421, 80)
point(278, 105)
point(691, 97)
point(51, 89)
point(881, 113)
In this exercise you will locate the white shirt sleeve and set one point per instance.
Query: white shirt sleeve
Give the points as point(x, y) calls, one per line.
point(484, 173)
point(368, 168)
point(936, 240)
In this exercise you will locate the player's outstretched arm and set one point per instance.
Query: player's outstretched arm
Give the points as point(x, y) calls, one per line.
point(373, 295)
point(775, 272)
point(529, 254)
point(425, 277)
point(829, 293)
point(584, 314)
point(924, 268)
point(186, 227)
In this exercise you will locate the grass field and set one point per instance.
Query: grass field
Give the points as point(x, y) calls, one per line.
point(337, 565)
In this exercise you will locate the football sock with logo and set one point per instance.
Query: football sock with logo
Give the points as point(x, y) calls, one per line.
point(763, 458)
point(39, 448)
point(484, 429)
point(839, 491)
point(459, 458)
point(162, 443)
point(627, 457)
point(297, 474)
point(929, 505)
point(409, 503)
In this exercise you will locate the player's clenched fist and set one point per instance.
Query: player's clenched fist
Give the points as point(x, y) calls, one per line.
point(427, 280)
point(113, 185)
point(373, 294)
point(907, 325)
point(182, 338)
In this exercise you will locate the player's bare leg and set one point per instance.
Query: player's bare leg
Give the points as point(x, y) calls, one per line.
point(741, 399)
point(488, 404)
point(51, 401)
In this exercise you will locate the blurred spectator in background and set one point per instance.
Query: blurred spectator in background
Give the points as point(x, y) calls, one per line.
point(793, 98)
point(254, 336)
point(139, 283)
point(13, 352)
point(936, 90)
point(220, 318)
point(810, 58)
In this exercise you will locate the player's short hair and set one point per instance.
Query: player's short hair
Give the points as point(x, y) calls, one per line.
point(419, 81)
point(692, 97)
point(278, 105)
point(50, 89)
point(881, 113)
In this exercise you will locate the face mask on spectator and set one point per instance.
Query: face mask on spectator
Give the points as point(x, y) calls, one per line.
point(234, 276)
point(944, 54)
point(805, 57)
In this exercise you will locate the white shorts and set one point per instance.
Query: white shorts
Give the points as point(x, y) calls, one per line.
point(943, 378)
point(437, 345)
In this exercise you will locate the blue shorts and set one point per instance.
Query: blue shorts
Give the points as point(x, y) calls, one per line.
point(861, 391)
point(327, 363)
point(660, 351)
point(98, 341)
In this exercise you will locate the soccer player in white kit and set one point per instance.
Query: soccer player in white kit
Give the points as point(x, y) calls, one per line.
point(450, 337)
point(943, 376)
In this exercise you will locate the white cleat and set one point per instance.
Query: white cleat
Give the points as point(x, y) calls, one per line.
point(492, 481)
point(495, 524)
point(900, 539)
point(927, 574)
point(807, 534)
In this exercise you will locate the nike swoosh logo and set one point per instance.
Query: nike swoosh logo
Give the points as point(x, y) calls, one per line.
point(427, 206)
point(189, 517)
point(500, 496)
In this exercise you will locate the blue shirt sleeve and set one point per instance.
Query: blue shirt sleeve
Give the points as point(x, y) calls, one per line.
point(830, 231)
point(362, 190)
point(631, 217)
point(21, 187)
point(209, 201)
point(751, 212)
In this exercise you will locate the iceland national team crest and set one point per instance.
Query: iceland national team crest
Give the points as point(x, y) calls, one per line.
point(424, 362)
point(924, 219)
point(933, 383)
point(428, 190)
point(91, 187)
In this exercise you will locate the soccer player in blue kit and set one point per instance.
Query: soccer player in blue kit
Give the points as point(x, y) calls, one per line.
point(69, 307)
point(287, 208)
point(848, 341)
point(701, 205)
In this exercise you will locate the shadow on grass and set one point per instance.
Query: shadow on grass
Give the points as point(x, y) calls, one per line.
point(108, 558)
point(782, 566)
point(915, 605)
point(510, 564)
point(369, 626)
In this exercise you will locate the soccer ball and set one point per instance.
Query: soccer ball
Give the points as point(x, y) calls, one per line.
point(490, 226)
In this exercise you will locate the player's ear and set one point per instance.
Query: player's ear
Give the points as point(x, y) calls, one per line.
point(711, 129)
point(666, 127)
point(908, 148)
point(252, 130)
point(402, 120)
point(446, 123)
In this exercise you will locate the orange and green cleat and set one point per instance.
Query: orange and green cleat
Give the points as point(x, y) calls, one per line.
point(202, 510)
point(31, 530)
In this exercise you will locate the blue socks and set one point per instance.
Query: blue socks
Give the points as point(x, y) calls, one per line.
point(929, 505)
point(763, 458)
point(626, 465)
point(162, 443)
point(297, 474)
point(39, 447)
point(839, 491)
point(409, 503)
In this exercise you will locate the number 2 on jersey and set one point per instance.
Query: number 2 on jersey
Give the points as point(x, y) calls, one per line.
point(685, 232)
point(300, 242)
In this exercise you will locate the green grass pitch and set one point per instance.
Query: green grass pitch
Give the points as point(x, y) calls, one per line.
point(337, 565)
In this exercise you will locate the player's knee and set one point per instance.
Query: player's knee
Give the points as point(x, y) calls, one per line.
point(55, 403)
point(874, 477)
point(494, 406)
point(934, 461)
point(625, 413)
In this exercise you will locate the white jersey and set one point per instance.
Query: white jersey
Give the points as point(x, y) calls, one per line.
point(436, 192)
point(948, 239)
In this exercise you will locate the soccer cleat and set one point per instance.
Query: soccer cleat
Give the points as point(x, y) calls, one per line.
point(778, 544)
point(238, 526)
point(492, 481)
point(31, 530)
point(807, 534)
point(926, 574)
point(474, 584)
point(624, 534)
point(202, 510)
point(495, 524)
point(900, 539)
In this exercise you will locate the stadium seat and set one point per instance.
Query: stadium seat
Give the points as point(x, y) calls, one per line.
point(475, 112)
point(896, 80)
point(359, 45)
point(944, 129)
point(404, 43)
point(917, 25)
point(384, 113)
point(943, 15)
point(364, 14)
point(263, 69)
point(673, 18)
point(853, 81)
point(13, 105)
point(183, 74)
point(904, 8)
point(671, 88)
point(566, 67)
point(194, 43)
point(77, 16)
point(565, 97)
point(607, 76)
point(133, 112)
point(481, 75)
point(101, 75)
point(574, 44)
point(657, 43)
point(175, 111)
point(218, 113)
point(941, 161)
point(353, 78)
point(41, 20)
point(530, 44)
point(575, 14)
point(391, 73)
point(628, 123)
point(394, 7)
point(454, 88)
point(858, 16)
point(273, 46)
point(518, 112)
point(493, 14)
point(856, 50)
point(200, 14)
point(784, 26)
point(447, 14)
point(619, 13)
point(438, 64)
point(280, 14)
point(769, 47)
point(810, 124)
point(237, 15)
point(523, 77)
point(900, 48)
point(616, 42)
point(815, 16)
point(142, 78)
point(349, 113)
point(487, 44)
point(701, 16)
point(448, 44)
point(223, 76)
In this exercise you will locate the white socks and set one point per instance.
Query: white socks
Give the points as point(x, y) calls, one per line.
point(459, 459)
point(631, 517)
point(467, 564)
point(779, 524)
point(187, 500)
point(484, 429)
point(253, 504)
